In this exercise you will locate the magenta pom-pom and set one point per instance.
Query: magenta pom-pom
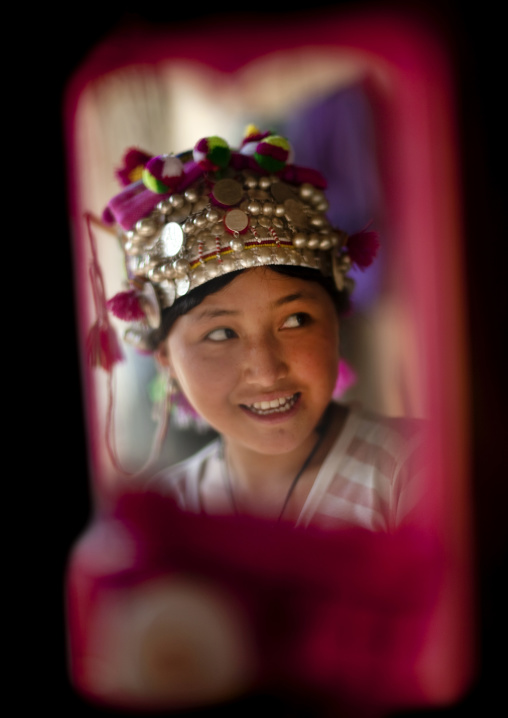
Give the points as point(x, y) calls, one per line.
point(131, 170)
point(363, 248)
point(162, 173)
point(346, 378)
point(126, 306)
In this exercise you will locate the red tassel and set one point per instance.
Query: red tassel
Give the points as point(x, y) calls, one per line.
point(102, 346)
point(126, 306)
point(363, 247)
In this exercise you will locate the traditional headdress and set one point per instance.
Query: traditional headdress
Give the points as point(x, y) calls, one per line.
point(212, 210)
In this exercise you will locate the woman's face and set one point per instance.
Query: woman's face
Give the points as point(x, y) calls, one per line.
point(258, 359)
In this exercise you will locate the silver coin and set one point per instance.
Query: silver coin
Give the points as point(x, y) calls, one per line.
point(171, 239)
point(236, 220)
point(228, 192)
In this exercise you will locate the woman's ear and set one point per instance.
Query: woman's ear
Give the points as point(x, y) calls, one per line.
point(162, 356)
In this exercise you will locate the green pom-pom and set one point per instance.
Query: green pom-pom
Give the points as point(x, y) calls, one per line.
point(272, 153)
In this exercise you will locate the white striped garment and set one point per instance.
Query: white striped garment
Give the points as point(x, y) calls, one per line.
point(371, 476)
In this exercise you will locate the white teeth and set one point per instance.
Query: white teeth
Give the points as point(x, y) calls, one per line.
point(275, 405)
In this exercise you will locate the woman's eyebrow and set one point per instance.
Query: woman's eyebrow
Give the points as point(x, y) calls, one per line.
point(218, 312)
point(293, 298)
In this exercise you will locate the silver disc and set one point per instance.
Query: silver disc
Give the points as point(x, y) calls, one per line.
point(171, 239)
point(236, 220)
point(228, 192)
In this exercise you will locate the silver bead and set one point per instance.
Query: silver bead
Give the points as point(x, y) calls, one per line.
point(251, 182)
point(181, 267)
point(254, 207)
point(147, 226)
point(306, 191)
point(201, 204)
point(268, 208)
point(200, 220)
point(177, 201)
point(300, 240)
point(188, 226)
point(317, 220)
point(323, 206)
point(236, 244)
point(165, 206)
point(317, 197)
point(213, 215)
point(279, 210)
point(264, 182)
point(191, 195)
point(313, 241)
point(182, 286)
point(325, 243)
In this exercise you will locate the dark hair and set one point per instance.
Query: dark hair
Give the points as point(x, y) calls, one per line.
point(184, 304)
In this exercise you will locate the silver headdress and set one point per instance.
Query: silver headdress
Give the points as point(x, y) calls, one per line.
point(213, 210)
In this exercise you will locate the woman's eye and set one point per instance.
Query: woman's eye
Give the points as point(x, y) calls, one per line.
point(296, 320)
point(221, 335)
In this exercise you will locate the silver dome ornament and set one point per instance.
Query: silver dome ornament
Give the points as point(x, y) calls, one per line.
point(264, 182)
point(213, 215)
point(250, 182)
point(182, 285)
point(254, 206)
point(191, 195)
point(147, 227)
point(177, 201)
point(313, 241)
point(181, 267)
point(300, 240)
point(168, 293)
point(171, 239)
point(165, 207)
point(236, 244)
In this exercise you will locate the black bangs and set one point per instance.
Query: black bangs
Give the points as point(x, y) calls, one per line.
point(184, 304)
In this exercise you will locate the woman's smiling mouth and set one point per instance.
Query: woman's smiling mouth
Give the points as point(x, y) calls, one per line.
point(275, 406)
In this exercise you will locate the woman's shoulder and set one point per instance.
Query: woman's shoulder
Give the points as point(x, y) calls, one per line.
point(393, 434)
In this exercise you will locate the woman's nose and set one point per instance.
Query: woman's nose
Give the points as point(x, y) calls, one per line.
point(265, 362)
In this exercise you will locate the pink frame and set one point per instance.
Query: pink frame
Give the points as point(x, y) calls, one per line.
point(422, 187)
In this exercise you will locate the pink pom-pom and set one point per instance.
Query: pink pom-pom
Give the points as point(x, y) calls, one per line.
point(126, 306)
point(102, 346)
point(363, 247)
point(133, 162)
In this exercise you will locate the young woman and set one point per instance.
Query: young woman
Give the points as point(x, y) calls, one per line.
point(239, 282)
point(237, 285)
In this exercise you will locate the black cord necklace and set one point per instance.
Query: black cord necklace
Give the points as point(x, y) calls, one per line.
point(322, 430)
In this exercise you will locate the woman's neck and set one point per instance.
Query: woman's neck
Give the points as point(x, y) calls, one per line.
point(262, 481)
